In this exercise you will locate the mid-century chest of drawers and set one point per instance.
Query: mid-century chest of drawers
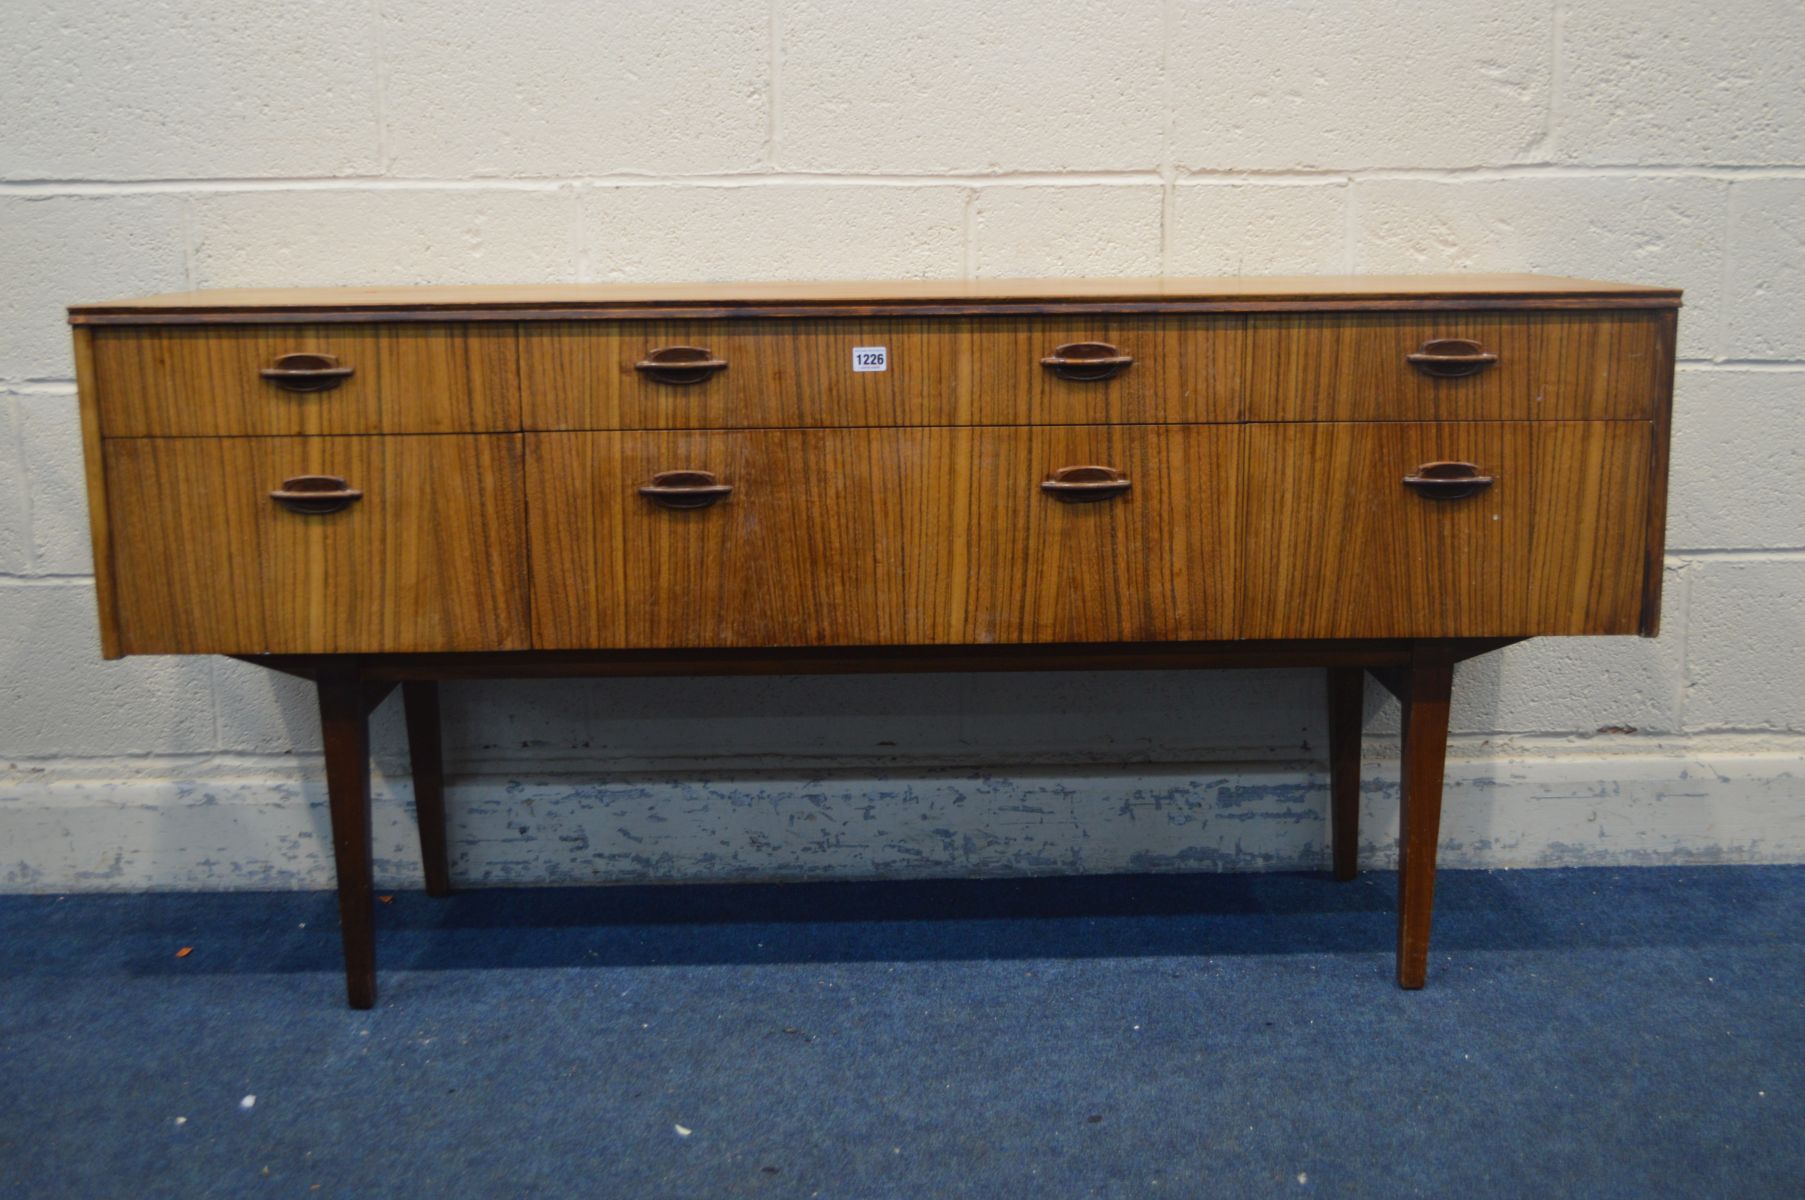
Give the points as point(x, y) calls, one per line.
point(376, 488)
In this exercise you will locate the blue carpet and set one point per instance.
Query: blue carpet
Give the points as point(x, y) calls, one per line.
point(1590, 1033)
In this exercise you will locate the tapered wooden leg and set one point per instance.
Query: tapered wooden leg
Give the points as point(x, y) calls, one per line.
point(1347, 697)
point(345, 727)
point(420, 702)
point(1426, 687)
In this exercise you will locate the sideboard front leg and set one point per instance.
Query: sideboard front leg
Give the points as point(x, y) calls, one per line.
point(1347, 699)
point(420, 702)
point(345, 729)
point(1426, 687)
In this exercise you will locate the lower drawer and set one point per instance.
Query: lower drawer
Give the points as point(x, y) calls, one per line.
point(1340, 546)
point(931, 536)
point(428, 555)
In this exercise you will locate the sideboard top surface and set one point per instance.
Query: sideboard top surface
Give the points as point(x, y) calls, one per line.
point(585, 301)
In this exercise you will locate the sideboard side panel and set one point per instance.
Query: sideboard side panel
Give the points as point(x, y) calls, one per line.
point(1654, 569)
point(100, 528)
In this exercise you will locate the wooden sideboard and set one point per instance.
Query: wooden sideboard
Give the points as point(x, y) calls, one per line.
point(376, 488)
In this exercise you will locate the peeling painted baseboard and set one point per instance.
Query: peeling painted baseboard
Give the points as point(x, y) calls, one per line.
point(242, 832)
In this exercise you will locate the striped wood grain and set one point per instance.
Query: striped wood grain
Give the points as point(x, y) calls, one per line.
point(1159, 563)
point(798, 373)
point(929, 536)
point(786, 374)
point(432, 558)
point(1565, 365)
point(1593, 483)
point(1186, 370)
point(170, 381)
point(1337, 547)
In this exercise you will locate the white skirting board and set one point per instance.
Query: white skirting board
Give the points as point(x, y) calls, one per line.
point(239, 831)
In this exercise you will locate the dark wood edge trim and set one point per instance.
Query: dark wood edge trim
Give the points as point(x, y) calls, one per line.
point(102, 315)
point(1654, 551)
point(94, 471)
point(1373, 653)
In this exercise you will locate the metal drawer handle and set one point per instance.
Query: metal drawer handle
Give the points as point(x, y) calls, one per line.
point(1447, 480)
point(1087, 361)
point(680, 364)
point(685, 489)
point(1451, 358)
point(307, 373)
point(1085, 485)
point(313, 495)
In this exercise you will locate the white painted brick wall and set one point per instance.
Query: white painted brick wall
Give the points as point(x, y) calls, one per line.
point(1104, 229)
point(1324, 84)
point(351, 236)
point(757, 230)
point(157, 145)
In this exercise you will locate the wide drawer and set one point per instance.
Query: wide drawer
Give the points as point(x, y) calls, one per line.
point(881, 537)
point(430, 556)
point(1458, 366)
point(1339, 545)
point(306, 379)
point(803, 373)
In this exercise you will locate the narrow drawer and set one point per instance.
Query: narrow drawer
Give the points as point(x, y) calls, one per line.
point(1105, 370)
point(806, 548)
point(851, 537)
point(1339, 545)
point(752, 374)
point(1458, 366)
point(429, 555)
point(1157, 561)
point(306, 379)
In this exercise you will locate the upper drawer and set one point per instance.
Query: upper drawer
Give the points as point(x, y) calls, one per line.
point(1105, 370)
point(807, 373)
point(1411, 367)
point(757, 373)
point(187, 382)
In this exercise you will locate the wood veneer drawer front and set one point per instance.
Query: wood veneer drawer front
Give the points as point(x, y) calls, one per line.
point(882, 537)
point(307, 379)
point(1157, 562)
point(1101, 370)
point(1340, 546)
point(1512, 366)
point(763, 373)
point(429, 556)
point(801, 373)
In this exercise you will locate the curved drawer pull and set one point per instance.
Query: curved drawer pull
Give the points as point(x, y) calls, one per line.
point(1447, 480)
point(307, 372)
point(315, 494)
point(680, 364)
point(1087, 360)
point(1451, 358)
point(1085, 485)
point(685, 489)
